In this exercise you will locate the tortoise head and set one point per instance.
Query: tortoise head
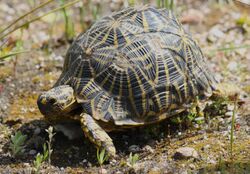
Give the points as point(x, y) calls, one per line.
point(58, 103)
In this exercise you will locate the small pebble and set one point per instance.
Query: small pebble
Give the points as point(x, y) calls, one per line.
point(113, 162)
point(211, 161)
point(232, 66)
point(37, 131)
point(205, 137)
point(103, 171)
point(229, 114)
point(148, 148)
point(206, 147)
point(185, 153)
point(134, 148)
point(32, 152)
point(84, 161)
point(155, 170)
point(192, 166)
point(26, 164)
point(89, 164)
point(230, 107)
point(184, 172)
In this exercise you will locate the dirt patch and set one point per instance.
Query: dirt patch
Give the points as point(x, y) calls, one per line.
point(23, 78)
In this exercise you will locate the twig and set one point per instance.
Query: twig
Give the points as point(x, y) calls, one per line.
point(39, 17)
point(26, 14)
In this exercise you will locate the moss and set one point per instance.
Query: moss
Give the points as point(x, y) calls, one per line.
point(5, 72)
point(24, 108)
point(247, 89)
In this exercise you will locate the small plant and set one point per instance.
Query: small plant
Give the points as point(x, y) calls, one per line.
point(153, 131)
point(17, 143)
point(40, 158)
point(195, 114)
point(168, 4)
point(132, 159)
point(101, 156)
point(232, 127)
point(131, 2)
point(95, 8)
point(49, 143)
point(47, 151)
point(69, 26)
point(218, 107)
point(38, 162)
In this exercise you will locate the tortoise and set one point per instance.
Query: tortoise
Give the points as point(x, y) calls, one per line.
point(135, 67)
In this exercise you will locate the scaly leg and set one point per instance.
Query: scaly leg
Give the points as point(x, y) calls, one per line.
point(96, 134)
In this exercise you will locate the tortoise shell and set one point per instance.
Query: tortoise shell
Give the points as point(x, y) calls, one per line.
point(136, 66)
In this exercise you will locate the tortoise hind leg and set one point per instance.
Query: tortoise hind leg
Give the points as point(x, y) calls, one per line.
point(96, 134)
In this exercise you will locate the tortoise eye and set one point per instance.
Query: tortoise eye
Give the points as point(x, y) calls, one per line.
point(52, 101)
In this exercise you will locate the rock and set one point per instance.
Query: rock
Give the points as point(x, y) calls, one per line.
point(26, 164)
point(103, 171)
point(229, 114)
point(192, 166)
point(230, 107)
point(116, 4)
point(232, 66)
point(134, 148)
point(113, 162)
point(32, 152)
point(211, 161)
point(214, 34)
point(192, 16)
point(186, 153)
point(206, 147)
point(89, 164)
point(154, 170)
point(37, 131)
point(183, 171)
point(148, 148)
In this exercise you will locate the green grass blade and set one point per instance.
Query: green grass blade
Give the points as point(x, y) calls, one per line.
point(233, 48)
point(13, 54)
point(131, 3)
point(26, 14)
point(232, 127)
point(158, 2)
point(97, 155)
point(39, 17)
point(171, 4)
point(69, 26)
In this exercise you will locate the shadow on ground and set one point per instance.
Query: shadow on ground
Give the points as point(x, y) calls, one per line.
point(79, 151)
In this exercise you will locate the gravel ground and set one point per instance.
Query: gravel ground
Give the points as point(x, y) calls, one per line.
point(168, 147)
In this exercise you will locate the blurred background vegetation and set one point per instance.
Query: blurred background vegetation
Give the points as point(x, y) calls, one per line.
point(63, 19)
point(34, 38)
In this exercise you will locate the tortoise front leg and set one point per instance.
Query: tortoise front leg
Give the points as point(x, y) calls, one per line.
point(96, 134)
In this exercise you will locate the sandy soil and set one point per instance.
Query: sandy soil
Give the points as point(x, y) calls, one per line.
point(224, 39)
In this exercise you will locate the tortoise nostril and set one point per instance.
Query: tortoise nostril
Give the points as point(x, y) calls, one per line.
point(52, 101)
